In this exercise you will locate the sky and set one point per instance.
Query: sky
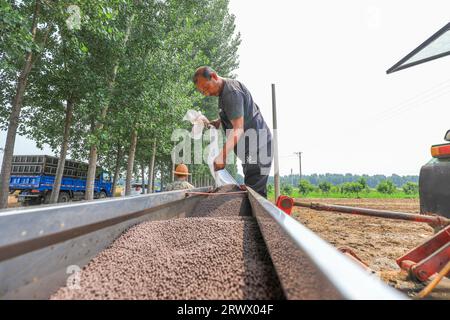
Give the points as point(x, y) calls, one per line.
point(336, 104)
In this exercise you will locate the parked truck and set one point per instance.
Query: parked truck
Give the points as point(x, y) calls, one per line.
point(33, 176)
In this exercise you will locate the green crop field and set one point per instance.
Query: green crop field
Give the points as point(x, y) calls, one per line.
point(370, 194)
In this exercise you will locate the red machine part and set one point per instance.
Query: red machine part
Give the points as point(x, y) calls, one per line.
point(285, 203)
point(428, 258)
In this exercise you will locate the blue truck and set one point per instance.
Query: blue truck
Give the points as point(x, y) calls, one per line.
point(33, 177)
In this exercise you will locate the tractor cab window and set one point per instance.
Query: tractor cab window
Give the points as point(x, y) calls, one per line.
point(437, 46)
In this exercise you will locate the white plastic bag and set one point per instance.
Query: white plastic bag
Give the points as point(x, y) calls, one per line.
point(198, 120)
point(221, 177)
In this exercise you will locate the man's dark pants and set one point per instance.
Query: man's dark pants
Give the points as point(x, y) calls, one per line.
point(256, 175)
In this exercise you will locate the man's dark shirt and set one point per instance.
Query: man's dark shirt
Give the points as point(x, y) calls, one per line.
point(236, 101)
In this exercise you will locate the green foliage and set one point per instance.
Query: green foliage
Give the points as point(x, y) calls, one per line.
point(337, 179)
point(270, 188)
point(363, 182)
point(134, 59)
point(410, 188)
point(352, 188)
point(286, 189)
point(325, 187)
point(386, 187)
point(305, 187)
point(336, 194)
point(15, 37)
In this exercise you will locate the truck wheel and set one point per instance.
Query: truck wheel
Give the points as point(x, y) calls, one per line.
point(47, 197)
point(102, 195)
point(63, 197)
point(33, 202)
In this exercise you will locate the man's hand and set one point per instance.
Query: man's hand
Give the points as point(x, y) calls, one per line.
point(205, 120)
point(215, 123)
point(219, 164)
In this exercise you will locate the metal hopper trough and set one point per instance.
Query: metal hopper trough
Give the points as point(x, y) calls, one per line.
point(38, 246)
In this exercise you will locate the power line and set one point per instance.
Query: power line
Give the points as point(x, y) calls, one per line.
point(427, 95)
point(415, 104)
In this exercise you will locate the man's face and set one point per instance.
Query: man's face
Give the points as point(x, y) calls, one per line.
point(207, 87)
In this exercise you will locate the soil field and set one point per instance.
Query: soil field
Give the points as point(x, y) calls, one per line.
point(376, 241)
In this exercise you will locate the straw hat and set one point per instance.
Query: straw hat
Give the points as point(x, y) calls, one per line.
point(182, 170)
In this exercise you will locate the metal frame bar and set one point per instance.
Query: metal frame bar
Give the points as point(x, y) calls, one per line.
point(433, 220)
point(429, 257)
point(400, 66)
point(290, 244)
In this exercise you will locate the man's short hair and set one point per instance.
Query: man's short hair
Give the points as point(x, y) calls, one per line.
point(204, 72)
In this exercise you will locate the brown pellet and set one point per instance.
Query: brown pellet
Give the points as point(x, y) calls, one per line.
point(216, 253)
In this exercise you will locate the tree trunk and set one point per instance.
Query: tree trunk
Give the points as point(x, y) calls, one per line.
point(90, 182)
point(116, 169)
point(62, 157)
point(143, 177)
point(153, 181)
point(130, 164)
point(150, 177)
point(15, 114)
point(151, 171)
point(172, 175)
point(93, 155)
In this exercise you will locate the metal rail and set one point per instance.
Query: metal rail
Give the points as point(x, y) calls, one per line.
point(41, 246)
point(432, 220)
point(307, 266)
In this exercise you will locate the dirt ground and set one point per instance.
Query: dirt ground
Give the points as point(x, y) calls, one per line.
point(376, 241)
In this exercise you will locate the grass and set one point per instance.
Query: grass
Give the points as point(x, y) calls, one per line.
point(371, 194)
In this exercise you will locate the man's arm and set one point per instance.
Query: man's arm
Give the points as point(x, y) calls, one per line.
point(215, 123)
point(232, 140)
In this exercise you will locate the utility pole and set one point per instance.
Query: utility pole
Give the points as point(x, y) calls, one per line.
point(292, 177)
point(299, 164)
point(275, 145)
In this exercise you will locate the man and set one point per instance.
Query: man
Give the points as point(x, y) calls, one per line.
point(181, 174)
point(239, 115)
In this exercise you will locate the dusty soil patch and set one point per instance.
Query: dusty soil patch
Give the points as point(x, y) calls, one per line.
point(377, 241)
